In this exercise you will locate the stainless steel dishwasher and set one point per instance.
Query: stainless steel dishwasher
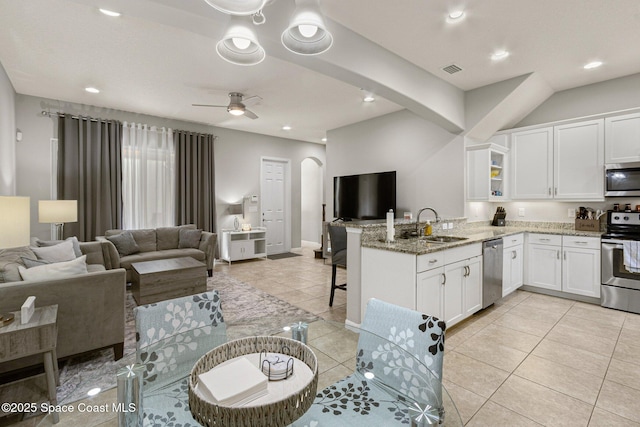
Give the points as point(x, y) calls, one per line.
point(492, 272)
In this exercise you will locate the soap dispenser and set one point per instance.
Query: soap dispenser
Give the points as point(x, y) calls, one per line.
point(428, 229)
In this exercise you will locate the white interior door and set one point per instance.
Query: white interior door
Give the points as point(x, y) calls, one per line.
point(274, 204)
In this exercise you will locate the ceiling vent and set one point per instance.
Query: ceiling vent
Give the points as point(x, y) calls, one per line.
point(451, 69)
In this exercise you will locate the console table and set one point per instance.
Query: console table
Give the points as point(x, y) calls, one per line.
point(239, 245)
point(38, 336)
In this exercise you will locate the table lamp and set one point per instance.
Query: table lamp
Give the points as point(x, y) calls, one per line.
point(15, 221)
point(236, 209)
point(58, 212)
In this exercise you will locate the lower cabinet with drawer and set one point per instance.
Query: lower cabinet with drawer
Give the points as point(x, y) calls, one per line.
point(512, 263)
point(452, 291)
point(564, 263)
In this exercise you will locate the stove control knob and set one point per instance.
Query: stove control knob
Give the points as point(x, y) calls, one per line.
point(616, 217)
point(626, 218)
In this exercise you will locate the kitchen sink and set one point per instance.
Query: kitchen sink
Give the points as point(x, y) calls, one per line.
point(444, 239)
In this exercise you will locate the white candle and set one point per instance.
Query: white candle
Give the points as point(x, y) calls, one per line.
point(390, 229)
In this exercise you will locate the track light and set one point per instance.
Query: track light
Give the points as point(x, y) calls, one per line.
point(237, 7)
point(307, 33)
point(240, 45)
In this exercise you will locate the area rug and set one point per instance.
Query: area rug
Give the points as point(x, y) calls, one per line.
point(246, 310)
point(282, 256)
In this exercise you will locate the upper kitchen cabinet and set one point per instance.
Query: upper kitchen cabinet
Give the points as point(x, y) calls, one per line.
point(532, 164)
point(486, 172)
point(564, 162)
point(622, 139)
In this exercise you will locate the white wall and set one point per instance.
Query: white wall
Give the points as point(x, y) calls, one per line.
point(7, 136)
point(612, 95)
point(427, 158)
point(311, 201)
point(237, 157)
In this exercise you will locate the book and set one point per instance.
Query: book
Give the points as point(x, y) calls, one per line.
point(234, 384)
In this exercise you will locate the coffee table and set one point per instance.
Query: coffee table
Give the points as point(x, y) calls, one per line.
point(163, 279)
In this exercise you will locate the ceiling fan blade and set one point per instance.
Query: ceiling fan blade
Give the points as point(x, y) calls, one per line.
point(252, 100)
point(209, 105)
point(250, 114)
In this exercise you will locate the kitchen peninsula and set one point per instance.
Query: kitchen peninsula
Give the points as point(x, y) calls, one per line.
point(414, 272)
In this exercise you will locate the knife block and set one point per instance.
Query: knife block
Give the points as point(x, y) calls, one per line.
point(499, 219)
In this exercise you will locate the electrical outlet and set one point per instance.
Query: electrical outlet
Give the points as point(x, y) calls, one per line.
point(450, 226)
point(445, 226)
point(571, 213)
point(520, 211)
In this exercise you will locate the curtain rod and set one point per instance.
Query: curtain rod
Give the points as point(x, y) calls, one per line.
point(59, 114)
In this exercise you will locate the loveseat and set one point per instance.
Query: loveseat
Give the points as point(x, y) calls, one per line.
point(91, 306)
point(160, 243)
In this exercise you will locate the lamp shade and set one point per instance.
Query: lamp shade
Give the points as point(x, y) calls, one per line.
point(240, 45)
point(237, 7)
point(15, 221)
point(307, 33)
point(57, 211)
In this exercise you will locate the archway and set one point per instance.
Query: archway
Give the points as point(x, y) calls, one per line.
point(312, 198)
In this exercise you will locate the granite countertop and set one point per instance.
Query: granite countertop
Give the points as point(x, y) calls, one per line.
point(473, 234)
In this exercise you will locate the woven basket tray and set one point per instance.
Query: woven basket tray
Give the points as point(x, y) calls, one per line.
point(276, 414)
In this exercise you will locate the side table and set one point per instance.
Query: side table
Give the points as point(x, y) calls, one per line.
point(38, 336)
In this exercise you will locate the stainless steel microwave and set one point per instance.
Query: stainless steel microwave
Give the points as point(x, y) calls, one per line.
point(622, 180)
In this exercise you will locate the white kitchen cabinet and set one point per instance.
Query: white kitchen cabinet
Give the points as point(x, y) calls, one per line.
point(452, 292)
point(622, 139)
point(564, 162)
point(532, 164)
point(579, 161)
point(581, 265)
point(241, 245)
point(564, 263)
point(512, 263)
point(544, 262)
point(486, 172)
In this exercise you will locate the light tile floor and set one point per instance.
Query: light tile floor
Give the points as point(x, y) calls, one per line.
point(529, 360)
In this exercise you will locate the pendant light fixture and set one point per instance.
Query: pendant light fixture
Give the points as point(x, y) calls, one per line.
point(307, 33)
point(237, 7)
point(240, 45)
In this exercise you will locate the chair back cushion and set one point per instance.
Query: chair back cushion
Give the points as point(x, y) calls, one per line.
point(172, 335)
point(419, 334)
point(338, 236)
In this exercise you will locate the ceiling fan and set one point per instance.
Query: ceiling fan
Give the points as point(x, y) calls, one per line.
point(236, 106)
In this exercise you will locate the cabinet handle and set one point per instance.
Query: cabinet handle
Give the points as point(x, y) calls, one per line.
point(558, 254)
point(581, 243)
point(545, 240)
point(432, 261)
point(549, 190)
point(556, 191)
point(565, 255)
point(515, 254)
point(444, 278)
point(468, 271)
point(514, 240)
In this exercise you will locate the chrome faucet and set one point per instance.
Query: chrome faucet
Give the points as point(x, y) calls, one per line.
point(418, 218)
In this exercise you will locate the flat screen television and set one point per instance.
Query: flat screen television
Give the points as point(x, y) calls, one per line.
point(365, 196)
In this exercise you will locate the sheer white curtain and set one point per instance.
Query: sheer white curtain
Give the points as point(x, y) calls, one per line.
point(148, 177)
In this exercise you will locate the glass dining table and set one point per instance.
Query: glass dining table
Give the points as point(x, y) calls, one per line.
point(400, 391)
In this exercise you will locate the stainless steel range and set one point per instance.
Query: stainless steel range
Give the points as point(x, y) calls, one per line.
point(620, 287)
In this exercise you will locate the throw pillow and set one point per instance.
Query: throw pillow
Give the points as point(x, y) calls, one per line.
point(124, 243)
point(30, 263)
point(56, 253)
point(74, 240)
point(55, 271)
point(10, 260)
point(189, 238)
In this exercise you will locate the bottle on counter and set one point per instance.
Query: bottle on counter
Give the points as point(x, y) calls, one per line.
point(428, 229)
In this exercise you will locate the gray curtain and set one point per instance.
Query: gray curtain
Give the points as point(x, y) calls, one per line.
point(90, 171)
point(195, 180)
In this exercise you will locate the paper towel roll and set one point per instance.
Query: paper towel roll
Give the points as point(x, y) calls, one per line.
point(390, 229)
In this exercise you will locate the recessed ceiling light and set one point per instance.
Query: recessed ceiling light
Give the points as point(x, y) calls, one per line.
point(94, 391)
point(110, 13)
point(368, 98)
point(324, 139)
point(92, 89)
point(286, 127)
point(499, 55)
point(592, 65)
point(456, 14)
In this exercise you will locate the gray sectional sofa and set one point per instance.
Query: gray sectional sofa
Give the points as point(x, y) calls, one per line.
point(162, 243)
point(91, 306)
